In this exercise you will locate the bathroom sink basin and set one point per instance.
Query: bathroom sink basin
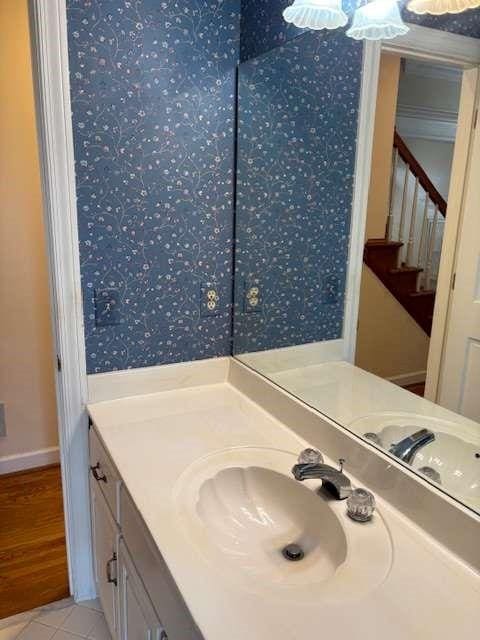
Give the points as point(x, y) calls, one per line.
point(247, 516)
point(455, 461)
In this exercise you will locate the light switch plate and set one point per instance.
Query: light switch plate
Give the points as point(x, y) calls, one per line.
point(3, 424)
point(107, 307)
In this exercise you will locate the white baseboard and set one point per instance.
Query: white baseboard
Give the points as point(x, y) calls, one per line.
point(29, 460)
point(406, 379)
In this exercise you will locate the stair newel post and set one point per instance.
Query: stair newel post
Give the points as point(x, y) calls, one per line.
point(413, 219)
point(423, 236)
point(431, 246)
point(404, 207)
point(393, 184)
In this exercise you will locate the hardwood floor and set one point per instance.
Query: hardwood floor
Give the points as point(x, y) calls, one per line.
point(418, 389)
point(33, 557)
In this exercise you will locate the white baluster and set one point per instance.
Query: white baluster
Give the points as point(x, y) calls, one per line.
point(431, 245)
point(393, 185)
point(413, 218)
point(423, 236)
point(404, 205)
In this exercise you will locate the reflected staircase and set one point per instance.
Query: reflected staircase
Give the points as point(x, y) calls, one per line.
point(407, 259)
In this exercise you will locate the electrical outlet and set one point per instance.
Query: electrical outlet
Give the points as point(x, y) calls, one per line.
point(330, 289)
point(253, 297)
point(3, 424)
point(209, 300)
point(107, 307)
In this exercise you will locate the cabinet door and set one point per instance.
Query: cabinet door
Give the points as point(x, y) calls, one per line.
point(138, 620)
point(105, 542)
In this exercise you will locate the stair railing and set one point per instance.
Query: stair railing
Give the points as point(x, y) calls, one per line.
point(414, 214)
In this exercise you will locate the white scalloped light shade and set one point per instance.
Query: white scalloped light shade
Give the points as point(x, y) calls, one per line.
point(377, 20)
point(316, 14)
point(441, 7)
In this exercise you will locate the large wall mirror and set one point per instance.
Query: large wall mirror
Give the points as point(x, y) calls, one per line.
point(365, 307)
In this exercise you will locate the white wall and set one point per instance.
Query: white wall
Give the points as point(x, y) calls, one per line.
point(436, 157)
point(26, 351)
point(379, 191)
point(389, 341)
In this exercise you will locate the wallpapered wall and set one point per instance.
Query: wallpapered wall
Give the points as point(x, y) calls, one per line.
point(153, 97)
point(464, 24)
point(297, 126)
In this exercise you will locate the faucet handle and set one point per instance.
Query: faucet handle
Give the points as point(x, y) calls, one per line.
point(360, 505)
point(341, 462)
point(310, 456)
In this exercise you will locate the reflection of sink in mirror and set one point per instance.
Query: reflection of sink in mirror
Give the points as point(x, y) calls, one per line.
point(243, 509)
point(347, 393)
point(452, 457)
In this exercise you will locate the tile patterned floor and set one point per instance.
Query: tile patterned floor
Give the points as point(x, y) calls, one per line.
point(60, 621)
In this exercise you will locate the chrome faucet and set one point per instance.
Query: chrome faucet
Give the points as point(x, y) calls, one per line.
point(408, 447)
point(311, 466)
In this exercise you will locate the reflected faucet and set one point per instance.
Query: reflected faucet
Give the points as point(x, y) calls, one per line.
point(406, 449)
point(334, 480)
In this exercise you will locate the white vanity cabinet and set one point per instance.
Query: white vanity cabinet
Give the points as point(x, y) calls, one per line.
point(139, 597)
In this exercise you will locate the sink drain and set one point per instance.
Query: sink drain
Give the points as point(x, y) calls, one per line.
point(293, 552)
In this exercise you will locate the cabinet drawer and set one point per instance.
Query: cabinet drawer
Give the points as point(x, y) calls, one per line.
point(104, 474)
point(163, 591)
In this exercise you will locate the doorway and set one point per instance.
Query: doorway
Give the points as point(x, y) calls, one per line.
point(414, 138)
point(33, 559)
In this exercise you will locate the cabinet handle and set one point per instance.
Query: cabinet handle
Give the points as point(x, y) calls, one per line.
point(96, 475)
point(110, 577)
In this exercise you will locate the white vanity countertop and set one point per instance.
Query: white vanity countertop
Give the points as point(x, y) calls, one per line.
point(154, 438)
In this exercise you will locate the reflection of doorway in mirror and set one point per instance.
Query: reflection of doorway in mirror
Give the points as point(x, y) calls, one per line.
point(418, 163)
point(459, 381)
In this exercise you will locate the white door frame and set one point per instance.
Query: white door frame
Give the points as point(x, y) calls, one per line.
point(48, 30)
point(419, 42)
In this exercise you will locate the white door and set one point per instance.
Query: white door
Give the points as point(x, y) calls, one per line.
point(460, 370)
point(105, 536)
point(138, 620)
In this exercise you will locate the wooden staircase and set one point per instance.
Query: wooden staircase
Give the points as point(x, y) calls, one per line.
point(382, 257)
point(404, 259)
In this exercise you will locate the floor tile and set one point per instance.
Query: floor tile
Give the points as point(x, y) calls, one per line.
point(36, 631)
point(12, 621)
point(11, 632)
point(100, 631)
point(54, 617)
point(81, 620)
point(60, 634)
point(91, 604)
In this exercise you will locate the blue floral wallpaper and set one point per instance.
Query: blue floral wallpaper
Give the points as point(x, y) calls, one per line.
point(464, 24)
point(263, 27)
point(153, 98)
point(297, 126)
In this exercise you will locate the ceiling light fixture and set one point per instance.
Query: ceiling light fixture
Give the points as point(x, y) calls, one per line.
point(316, 14)
point(372, 20)
point(377, 20)
point(441, 7)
